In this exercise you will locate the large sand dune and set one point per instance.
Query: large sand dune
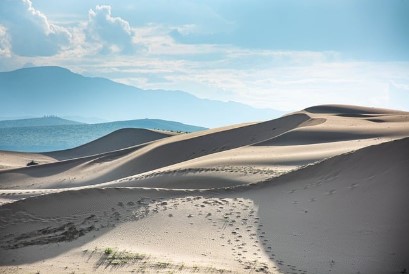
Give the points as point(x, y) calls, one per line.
point(119, 139)
point(322, 190)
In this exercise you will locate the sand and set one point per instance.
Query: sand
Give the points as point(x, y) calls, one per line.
point(322, 190)
point(117, 140)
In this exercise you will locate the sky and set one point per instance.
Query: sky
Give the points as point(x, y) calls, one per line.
point(279, 54)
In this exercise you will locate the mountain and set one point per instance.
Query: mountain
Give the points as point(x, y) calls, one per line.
point(58, 91)
point(48, 138)
point(32, 122)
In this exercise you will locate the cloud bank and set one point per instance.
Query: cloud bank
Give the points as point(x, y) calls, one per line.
point(26, 31)
point(112, 34)
point(143, 45)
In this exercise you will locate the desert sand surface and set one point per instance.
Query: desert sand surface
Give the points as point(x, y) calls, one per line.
point(322, 190)
point(12, 159)
point(119, 139)
point(116, 140)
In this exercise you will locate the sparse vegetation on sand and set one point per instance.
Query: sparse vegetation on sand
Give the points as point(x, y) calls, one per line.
point(108, 250)
point(32, 163)
point(143, 262)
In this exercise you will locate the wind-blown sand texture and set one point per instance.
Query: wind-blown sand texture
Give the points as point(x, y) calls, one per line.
point(323, 190)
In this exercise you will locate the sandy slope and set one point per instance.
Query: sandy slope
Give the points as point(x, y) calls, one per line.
point(146, 157)
point(119, 139)
point(11, 159)
point(319, 137)
point(350, 219)
point(116, 140)
point(262, 207)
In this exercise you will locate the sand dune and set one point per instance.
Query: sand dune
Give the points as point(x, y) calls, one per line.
point(351, 218)
point(322, 190)
point(146, 157)
point(11, 159)
point(345, 110)
point(116, 140)
point(317, 138)
point(119, 139)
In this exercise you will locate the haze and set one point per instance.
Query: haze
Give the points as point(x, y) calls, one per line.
point(283, 55)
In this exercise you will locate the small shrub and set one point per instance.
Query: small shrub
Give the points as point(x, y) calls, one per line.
point(116, 262)
point(162, 265)
point(32, 163)
point(108, 250)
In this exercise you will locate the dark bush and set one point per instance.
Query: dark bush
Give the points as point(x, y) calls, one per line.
point(32, 163)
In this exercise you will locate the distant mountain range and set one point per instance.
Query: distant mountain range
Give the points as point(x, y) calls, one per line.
point(42, 91)
point(58, 137)
point(32, 122)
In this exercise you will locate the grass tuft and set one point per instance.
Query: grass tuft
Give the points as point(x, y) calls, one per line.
point(108, 251)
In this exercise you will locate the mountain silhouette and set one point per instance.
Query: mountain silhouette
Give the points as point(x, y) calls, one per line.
point(43, 137)
point(54, 90)
point(33, 122)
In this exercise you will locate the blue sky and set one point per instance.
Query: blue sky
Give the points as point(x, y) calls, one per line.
point(286, 54)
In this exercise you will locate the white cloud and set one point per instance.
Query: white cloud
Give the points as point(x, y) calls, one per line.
point(29, 31)
point(26, 32)
point(112, 34)
point(284, 80)
point(5, 46)
point(297, 85)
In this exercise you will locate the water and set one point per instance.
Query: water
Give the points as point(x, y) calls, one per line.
point(50, 138)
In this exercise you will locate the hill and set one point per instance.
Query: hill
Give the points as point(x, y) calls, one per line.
point(39, 90)
point(49, 138)
point(35, 122)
